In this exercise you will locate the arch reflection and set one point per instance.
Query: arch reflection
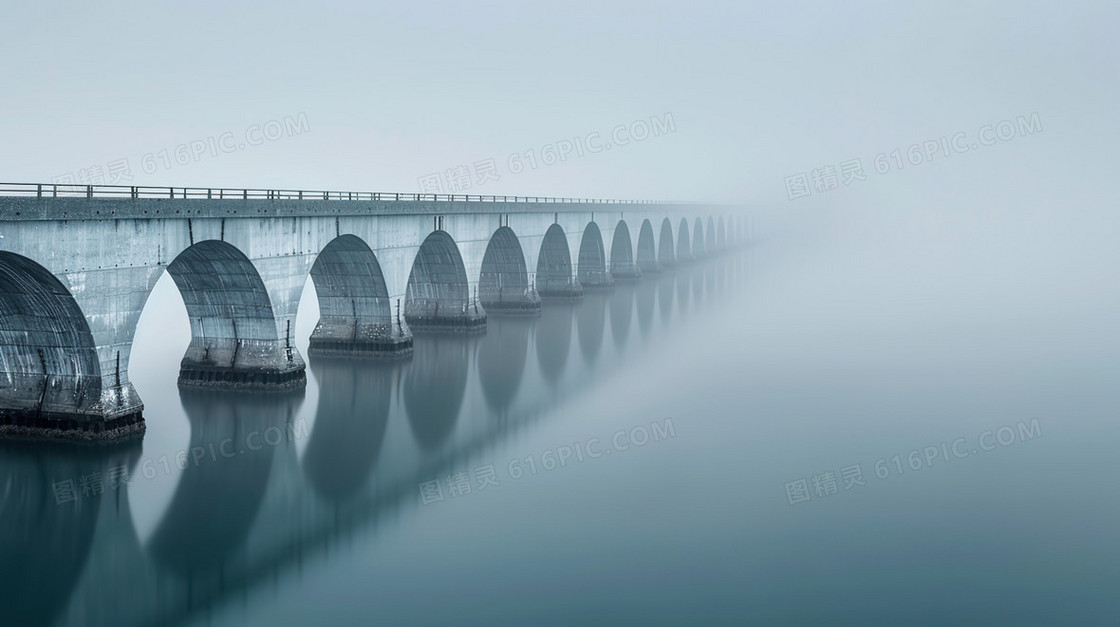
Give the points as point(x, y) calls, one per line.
point(234, 439)
point(644, 296)
point(665, 289)
point(684, 291)
point(592, 317)
point(622, 312)
point(350, 424)
point(48, 514)
point(554, 340)
point(435, 382)
point(502, 353)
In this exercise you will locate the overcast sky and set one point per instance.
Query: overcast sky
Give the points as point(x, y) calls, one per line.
point(390, 93)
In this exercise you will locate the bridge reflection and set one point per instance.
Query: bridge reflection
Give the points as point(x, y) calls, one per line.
point(248, 507)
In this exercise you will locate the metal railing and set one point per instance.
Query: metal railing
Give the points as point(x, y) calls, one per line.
point(53, 190)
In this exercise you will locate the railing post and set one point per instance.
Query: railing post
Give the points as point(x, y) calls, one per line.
point(89, 191)
point(39, 190)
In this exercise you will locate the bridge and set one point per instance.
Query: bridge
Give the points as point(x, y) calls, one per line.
point(245, 516)
point(78, 262)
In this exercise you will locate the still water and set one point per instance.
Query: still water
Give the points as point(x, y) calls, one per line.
point(726, 443)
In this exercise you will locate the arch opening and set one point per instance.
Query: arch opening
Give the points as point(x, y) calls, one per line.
point(438, 296)
point(710, 233)
point(623, 267)
point(721, 234)
point(503, 285)
point(592, 264)
point(356, 317)
point(554, 278)
point(647, 249)
point(235, 342)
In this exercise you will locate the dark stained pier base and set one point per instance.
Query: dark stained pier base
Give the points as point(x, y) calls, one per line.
point(459, 324)
point(238, 379)
point(374, 348)
point(626, 273)
point(30, 424)
point(561, 293)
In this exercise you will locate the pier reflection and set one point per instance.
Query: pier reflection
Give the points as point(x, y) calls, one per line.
point(502, 354)
point(591, 318)
point(435, 382)
point(234, 438)
point(554, 338)
point(50, 499)
point(350, 423)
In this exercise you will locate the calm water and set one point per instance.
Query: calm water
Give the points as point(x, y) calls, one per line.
point(716, 445)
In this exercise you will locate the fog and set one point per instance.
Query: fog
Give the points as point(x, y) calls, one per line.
point(931, 256)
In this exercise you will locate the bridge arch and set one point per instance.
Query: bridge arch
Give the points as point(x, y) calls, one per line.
point(50, 373)
point(698, 248)
point(647, 248)
point(554, 278)
point(503, 284)
point(622, 254)
point(665, 256)
point(234, 339)
point(710, 232)
point(355, 312)
point(592, 264)
point(438, 295)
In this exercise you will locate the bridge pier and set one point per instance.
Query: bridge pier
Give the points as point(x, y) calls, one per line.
point(241, 364)
point(360, 338)
point(438, 299)
point(526, 304)
point(58, 421)
point(567, 290)
point(355, 311)
point(628, 272)
point(434, 317)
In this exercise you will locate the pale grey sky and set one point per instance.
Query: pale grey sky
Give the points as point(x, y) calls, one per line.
point(392, 92)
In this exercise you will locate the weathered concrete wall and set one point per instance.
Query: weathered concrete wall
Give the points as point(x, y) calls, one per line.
point(109, 254)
